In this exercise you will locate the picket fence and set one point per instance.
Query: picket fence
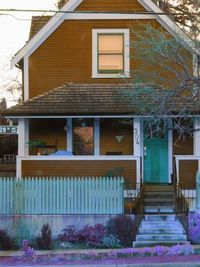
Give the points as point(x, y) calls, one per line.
point(61, 195)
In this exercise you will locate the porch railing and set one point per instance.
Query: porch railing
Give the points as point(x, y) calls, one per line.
point(61, 195)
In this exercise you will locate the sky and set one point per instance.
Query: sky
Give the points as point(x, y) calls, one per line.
point(14, 31)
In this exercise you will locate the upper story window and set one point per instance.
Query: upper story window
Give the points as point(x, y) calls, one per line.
point(110, 53)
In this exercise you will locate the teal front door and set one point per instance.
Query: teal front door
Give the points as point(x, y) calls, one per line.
point(156, 160)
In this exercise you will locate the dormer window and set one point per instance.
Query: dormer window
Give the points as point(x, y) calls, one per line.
point(110, 53)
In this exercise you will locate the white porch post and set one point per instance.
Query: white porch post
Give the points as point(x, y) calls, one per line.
point(170, 151)
point(23, 139)
point(137, 145)
point(96, 136)
point(196, 143)
point(197, 136)
point(69, 135)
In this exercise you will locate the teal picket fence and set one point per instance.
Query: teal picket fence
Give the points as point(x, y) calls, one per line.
point(61, 195)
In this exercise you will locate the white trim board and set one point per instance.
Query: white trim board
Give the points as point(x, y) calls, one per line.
point(126, 35)
point(71, 5)
point(91, 116)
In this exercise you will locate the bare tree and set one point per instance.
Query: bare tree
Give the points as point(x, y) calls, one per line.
point(61, 3)
point(164, 84)
point(3, 106)
point(185, 12)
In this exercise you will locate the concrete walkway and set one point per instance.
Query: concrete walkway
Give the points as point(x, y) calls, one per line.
point(181, 264)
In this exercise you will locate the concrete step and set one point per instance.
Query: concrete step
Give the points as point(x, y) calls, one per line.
point(153, 231)
point(160, 224)
point(154, 243)
point(162, 237)
point(166, 217)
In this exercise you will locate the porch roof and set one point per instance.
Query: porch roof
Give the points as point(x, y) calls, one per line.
point(105, 99)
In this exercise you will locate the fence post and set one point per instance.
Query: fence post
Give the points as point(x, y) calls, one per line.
point(198, 191)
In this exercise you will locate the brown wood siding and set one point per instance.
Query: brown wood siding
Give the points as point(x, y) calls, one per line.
point(182, 146)
point(188, 169)
point(108, 141)
point(79, 168)
point(66, 56)
point(50, 131)
point(111, 6)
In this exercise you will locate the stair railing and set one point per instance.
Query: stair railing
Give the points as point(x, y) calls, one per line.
point(181, 205)
point(134, 201)
point(139, 207)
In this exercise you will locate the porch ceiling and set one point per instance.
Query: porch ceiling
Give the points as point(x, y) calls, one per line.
point(104, 99)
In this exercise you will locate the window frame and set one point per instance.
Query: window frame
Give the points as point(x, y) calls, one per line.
point(126, 53)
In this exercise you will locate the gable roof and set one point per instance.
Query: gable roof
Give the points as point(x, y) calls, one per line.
point(103, 100)
point(71, 5)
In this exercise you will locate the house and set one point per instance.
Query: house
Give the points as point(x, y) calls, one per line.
point(77, 118)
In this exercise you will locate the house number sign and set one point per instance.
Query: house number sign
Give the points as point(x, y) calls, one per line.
point(8, 129)
point(137, 137)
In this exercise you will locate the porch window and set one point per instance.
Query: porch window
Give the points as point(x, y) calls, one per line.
point(110, 53)
point(83, 136)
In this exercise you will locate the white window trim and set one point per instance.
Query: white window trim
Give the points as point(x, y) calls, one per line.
point(126, 33)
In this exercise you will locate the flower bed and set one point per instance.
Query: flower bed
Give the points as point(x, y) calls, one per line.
point(155, 254)
point(30, 256)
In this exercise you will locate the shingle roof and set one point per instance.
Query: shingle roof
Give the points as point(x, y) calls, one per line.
point(37, 23)
point(103, 99)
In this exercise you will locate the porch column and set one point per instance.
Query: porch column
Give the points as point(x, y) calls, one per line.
point(196, 143)
point(197, 136)
point(96, 136)
point(170, 151)
point(23, 137)
point(137, 144)
point(69, 135)
point(23, 148)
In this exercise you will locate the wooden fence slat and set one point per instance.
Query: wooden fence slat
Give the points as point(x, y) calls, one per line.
point(64, 195)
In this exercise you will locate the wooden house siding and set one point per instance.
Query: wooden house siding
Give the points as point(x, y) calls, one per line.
point(79, 168)
point(66, 56)
point(111, 6)
point(187, 175)
point(109, 142)
point(187, 168)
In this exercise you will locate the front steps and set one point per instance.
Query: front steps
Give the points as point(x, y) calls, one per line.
point(159, 199)
point(160, 226)
point(160, 229)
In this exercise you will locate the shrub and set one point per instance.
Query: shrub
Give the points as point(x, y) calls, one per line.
point(194, 227)
point(93, 235)
point(123, 227)
point(5, 241)
point(70, 235)
point(110, 241)
point(45, 240)
point(90, 235)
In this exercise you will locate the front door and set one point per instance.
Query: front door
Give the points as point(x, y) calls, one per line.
point(156, 159)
